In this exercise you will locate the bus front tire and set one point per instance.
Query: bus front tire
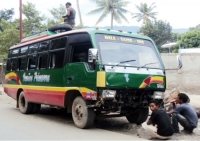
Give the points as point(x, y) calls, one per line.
point(83, 117)
point(138, 117)
point(25, 107)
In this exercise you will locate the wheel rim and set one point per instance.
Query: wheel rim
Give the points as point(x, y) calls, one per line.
point(79, 112)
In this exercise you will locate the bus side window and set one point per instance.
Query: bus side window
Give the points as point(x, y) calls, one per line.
point(33, 49)
point(58, 43)
point(32, 62)
point(14, 64)
point(14, 53)
point(44, 46)
point(57, 59)
point(22, 63)
point(8, 65)
point(42, 61)
point(80, 52)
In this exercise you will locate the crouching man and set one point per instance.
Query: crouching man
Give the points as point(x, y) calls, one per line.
point(184, 114)
point(162, 120)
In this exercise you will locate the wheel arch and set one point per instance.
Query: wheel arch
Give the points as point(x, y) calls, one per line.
point(69, 98)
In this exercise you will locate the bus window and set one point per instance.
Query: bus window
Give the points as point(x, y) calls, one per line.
point(57, 59)
point(42, 61)
point(80, 52)
point(58, 43)
point(8, 65)
point(33, 49)
point(32, 62)
point(14, 53)
point(23, 50)
point(22, 63)
point(44, 46)
point(14, 64)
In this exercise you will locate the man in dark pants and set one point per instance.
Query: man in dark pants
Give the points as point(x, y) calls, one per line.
point(184, 114)
point(71, 14)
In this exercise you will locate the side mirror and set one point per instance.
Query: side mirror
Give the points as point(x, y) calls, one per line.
point(92, 55)
point(179, 60)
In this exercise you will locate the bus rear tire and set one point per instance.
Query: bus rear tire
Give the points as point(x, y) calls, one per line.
point(83, 117)
point(138, 117)
point(25, 107)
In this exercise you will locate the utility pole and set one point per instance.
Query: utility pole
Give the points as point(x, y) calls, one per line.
point(20, 15)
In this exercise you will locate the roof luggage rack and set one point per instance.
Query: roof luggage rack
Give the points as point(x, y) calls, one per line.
point(49, 32)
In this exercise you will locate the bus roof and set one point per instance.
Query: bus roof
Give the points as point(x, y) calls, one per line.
point(42, 36)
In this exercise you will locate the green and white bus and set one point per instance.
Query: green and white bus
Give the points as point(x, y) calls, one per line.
point(90, 72)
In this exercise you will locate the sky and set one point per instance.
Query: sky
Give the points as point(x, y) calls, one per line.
point(179, 13)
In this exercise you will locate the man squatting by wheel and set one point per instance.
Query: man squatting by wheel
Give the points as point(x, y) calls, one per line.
point(184, 114)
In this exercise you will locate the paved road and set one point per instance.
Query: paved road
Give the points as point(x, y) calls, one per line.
point(47, 125)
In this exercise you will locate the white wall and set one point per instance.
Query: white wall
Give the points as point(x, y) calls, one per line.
point(188, 77)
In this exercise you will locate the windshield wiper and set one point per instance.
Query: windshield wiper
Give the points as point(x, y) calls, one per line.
point(123, 63)
point(147, 65)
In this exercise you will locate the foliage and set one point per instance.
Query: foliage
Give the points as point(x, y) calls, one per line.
point(174, 37)
point(6, 14)
point(57, 14)
point(159, 31)
point(195, 28)
point(114, 7)
point(145, 13)
point(33, 19)
point(9, 36)
point(190, 39)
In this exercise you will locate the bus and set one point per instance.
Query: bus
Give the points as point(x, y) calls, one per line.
point(89, 72)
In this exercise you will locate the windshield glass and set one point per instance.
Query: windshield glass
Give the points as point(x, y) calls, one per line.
point(123, 51)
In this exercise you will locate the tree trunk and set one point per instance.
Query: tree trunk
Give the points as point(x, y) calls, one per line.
point(79, 12)
point(112, 19)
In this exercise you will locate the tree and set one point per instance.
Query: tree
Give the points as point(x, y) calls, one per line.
point(6, 14)
point(33, 19)
point(9, 35)
point(190, 39)
point(113, 7)
point(57, 14)
point(145, 13)
point(159, 31)
point(195, 28)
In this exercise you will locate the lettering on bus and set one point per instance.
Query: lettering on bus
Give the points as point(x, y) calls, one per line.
point(140, 42)
point(36, 77)
point(124, 39)
point(113, 38)
point(41, 78)
point(27, 78)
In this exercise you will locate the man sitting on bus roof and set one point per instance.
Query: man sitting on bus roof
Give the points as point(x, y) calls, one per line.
point(71, 14)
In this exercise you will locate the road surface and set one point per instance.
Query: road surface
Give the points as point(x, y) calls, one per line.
point(47, 125)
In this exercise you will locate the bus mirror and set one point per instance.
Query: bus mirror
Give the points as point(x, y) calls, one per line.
point(179, 61)
point(92, 55)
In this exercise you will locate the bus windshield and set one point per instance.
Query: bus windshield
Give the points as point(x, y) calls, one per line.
point(126, 51)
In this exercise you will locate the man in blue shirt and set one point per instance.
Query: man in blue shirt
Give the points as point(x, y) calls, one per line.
point(184, 114)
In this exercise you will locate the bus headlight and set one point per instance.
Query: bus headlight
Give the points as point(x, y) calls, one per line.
point(108, 94)
point(158, 95)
